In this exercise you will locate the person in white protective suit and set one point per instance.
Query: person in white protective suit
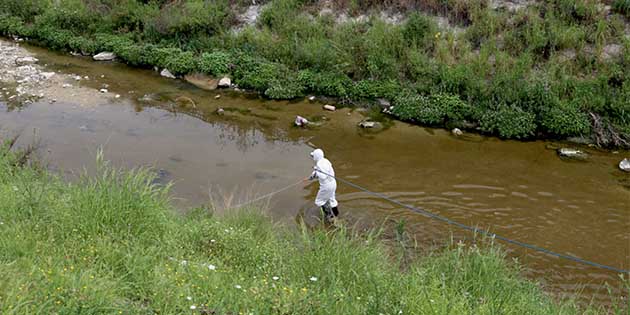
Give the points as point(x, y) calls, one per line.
point(327, 184)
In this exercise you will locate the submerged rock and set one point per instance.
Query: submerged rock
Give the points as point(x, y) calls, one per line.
point(202, 81)
point(572, 153)
point(167, 74)
point(457, 132)
point(104, 56)
point(225, 82)
point(624, 165)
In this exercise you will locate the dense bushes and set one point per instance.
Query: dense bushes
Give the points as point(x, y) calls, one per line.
point(436, 109)
point(547, 61)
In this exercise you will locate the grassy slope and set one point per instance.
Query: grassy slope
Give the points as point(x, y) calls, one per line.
point(111, 244)
point(507, 73)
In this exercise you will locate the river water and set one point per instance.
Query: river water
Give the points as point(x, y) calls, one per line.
point(521, 190)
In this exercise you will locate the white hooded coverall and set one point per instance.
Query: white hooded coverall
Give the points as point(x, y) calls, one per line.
point(327, 184)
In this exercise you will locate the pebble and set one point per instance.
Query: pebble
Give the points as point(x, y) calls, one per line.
point(218, 96)
point(117, 96)
point(103, 90)
point(330, 108)
point(66, 85)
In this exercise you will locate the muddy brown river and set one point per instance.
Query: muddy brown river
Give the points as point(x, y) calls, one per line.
point(521, 190)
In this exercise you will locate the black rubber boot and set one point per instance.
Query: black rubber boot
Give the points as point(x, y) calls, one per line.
point(335, 211)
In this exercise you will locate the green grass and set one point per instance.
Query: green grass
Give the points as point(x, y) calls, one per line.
point(502, 63)
point(112, 244)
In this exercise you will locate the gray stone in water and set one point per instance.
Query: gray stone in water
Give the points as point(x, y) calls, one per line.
point(225, 82)
point(572, 153)
point(104, 56)
point(457, 132)
point(202, 81)
point(624, 165)
point(167, 74)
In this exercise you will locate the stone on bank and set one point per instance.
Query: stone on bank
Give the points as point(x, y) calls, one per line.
point(104, 56)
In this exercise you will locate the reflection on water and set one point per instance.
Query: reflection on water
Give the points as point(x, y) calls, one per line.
point(520, 190)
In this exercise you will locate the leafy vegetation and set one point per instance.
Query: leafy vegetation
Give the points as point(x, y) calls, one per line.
point(111, 244)
point(553, 62)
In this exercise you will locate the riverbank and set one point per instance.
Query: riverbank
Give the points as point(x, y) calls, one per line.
point(112, 244)
point(499, 80)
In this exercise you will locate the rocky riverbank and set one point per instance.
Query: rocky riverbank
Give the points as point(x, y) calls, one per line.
point(24, 80)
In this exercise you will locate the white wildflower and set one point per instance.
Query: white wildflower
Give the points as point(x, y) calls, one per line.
point(313, 278)
point(275, 278)
point(212, 267)
point(193, 307)
point(189, 298)
point(238, 286)
point(184, 263)
point(212, 241)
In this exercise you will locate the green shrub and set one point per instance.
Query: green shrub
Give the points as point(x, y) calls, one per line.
point(419, 30)
point(186, 20)
point(258, 75)
point(215, 63)
point(83, 45)
point(621, 7)
point(509, 122)
point(11, 25)
point(285, 89)
point(25, 10)
point(328, 83)
point(436, 109)
point(565, 120)
point(371, 89)
point(181, 63)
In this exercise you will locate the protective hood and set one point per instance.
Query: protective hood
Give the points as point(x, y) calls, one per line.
point(317, 155)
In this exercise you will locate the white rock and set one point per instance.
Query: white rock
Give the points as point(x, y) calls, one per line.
point(26, 61)
point(103, 90)
point(47, 75)
point(367, 124)
point(66, 85)
point(330, 108)
point(624, 165)
point(105, 56)
point(300, 121)
point(217, 96)
point(167, 74)
point(220, 111)
point(457, 132)
point(117, 96)
point(225, 82)
point(311, 98)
